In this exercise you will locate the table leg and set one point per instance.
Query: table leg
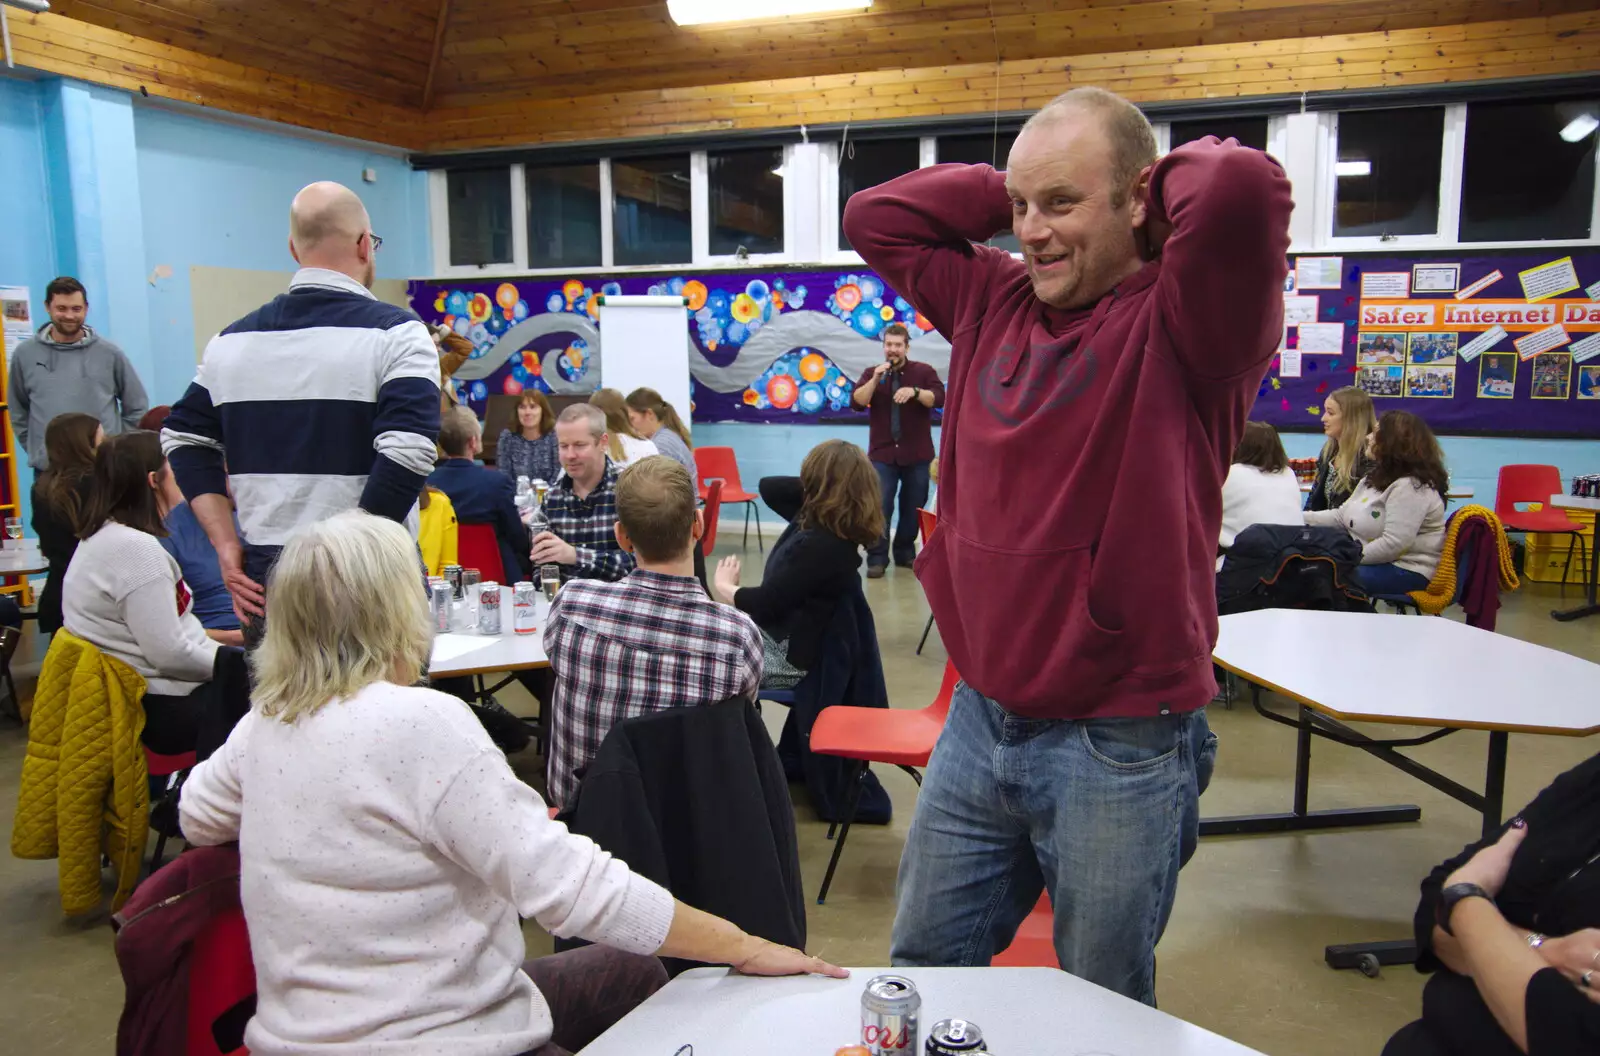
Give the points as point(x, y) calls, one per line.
point(1302, 818)
point(1592, 606)
point(1494, 782)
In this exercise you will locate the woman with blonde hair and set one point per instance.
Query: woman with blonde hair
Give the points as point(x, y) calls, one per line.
point(626, 445)
point(387, 850)
point(657, 421)
point(834, 509)
point(1347, 420)
point(530, 450)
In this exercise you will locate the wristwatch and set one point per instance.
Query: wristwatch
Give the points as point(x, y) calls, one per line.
point(1448, 899)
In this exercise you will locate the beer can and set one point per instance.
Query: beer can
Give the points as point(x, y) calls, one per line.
point(540, 489)
point(439, 597)
point(522, 610)
point(453, 574)
point(952, 1037)
point(889, 1007)
point(489, 608)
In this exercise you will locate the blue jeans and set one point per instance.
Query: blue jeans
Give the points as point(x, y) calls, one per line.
point(1388, 580)
point(1100, 812)
point(912, 484)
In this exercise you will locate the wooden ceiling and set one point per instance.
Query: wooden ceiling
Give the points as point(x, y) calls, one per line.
point(445, 74)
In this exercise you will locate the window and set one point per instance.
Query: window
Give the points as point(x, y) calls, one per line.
point(866, 163)
point(1249, 131)
point(563, 215)
point(746, 199)
point(480, 215)
point(987, 148)
point(1528, 171)
point(651, 212)
point(1388, 172)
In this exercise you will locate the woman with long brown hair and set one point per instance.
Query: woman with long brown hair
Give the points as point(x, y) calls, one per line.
point(657, 421)
point(833, 509)
point(1261, 488)
point(1347, 420)
point(1397, 510)
point(530, 449)
point(60, 494)
point(625, 446)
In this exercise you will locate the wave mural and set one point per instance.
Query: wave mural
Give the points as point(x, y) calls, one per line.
point(768, 346)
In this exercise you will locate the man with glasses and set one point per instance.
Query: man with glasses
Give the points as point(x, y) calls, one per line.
point(322, 400)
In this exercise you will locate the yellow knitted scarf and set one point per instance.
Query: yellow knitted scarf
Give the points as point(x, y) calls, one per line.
point(1441, 591)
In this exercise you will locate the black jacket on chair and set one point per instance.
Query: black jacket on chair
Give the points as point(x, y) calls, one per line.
point(695, 799)
point(1286, 566)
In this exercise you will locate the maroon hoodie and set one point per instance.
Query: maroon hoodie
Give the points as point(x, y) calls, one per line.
point(1083, 451)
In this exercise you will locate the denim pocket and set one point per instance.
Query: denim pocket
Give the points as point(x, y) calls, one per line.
point(1132, 744)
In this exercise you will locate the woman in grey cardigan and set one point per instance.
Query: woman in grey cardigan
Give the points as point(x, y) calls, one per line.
point(1397, 511)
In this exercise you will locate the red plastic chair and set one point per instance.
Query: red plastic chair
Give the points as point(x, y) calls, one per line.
point(713, 496)
point(478, 547)
point(926, 520)
point(157, 765)
point(719, 462)
point(1035, 943)
point(1534, 483)
point(222, 978)
point(901, 737)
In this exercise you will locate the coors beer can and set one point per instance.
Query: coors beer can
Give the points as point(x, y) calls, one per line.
point(889, 1008)
point(952, 1037)
point(453, 574)
point(489, 607)
point(522, 610)
point(439, 598)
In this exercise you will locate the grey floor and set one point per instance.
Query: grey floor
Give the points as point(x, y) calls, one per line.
point(1243, 953)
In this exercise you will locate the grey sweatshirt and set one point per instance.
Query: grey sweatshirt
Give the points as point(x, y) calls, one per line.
point(91, 375)
point(1402, 524)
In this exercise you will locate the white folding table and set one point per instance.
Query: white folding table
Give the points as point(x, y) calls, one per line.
point(469, 653)
point(1022, 1011)
point(1425, 671)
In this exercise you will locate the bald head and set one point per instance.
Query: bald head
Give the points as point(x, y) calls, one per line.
point(328, 228)
point(1127, 130)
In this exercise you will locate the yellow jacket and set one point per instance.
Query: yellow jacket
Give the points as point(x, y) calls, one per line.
point(84, 785)
point(437, 534)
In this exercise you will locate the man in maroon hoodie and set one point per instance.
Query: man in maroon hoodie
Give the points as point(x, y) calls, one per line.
point(1096, 391)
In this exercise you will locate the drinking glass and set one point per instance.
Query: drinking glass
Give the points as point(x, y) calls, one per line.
point(550, 580)
point(13, 532)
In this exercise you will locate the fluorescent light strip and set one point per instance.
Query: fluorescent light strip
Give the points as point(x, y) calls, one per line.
point(1580, 127)
point(707, 12)
point(1352, 168)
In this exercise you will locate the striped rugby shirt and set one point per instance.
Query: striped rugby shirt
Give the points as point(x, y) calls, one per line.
point(322, 400)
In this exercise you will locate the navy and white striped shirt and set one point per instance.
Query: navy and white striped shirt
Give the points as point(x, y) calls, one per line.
point(320, 401)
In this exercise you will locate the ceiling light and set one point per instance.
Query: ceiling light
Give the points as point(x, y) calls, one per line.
point(706, 12)
point(1579, 127)
point(1352, 168)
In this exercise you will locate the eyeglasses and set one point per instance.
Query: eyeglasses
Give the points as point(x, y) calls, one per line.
point(377, 240)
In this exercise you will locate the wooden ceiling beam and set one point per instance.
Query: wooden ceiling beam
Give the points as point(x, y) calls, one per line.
point(438, 51)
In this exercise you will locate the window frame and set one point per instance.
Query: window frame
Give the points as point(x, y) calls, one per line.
point(700, 191)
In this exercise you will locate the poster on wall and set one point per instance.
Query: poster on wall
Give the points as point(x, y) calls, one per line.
point(768, 346)
point(16, 323)
point(1492, 345)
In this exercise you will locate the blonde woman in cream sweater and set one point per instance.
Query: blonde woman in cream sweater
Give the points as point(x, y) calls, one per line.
point(1397, 510)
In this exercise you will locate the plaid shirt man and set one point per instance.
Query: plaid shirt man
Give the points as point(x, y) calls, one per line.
point(648, 643)
point(588, 524)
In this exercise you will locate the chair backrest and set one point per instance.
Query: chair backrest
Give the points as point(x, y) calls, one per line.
point(713, 496)
point(926, 520)
point(222, 986)
point(718, 462)
point(947, 689)
point(479, 548)
point(10, 638)
point(162, 765)
point(1524, 483)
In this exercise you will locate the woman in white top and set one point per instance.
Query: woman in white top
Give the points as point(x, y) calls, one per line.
point(387, 850)
point(1397, 510)
point(627, 446)
point(124, 593)
point(1261, 488)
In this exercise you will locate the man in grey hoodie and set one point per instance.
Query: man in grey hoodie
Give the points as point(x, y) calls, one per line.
point(66, 367)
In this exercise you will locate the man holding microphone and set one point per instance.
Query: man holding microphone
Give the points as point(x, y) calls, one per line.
point(901, 396)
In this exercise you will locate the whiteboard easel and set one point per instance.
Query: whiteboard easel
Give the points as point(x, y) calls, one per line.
point(644, 341)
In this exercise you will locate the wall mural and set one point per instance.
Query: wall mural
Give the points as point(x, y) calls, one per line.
point(769, 346)
point(1504, 344)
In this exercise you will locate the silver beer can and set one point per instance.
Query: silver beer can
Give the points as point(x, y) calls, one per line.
point(440, 595)
point(952, 1037)
point(489, 608)
point(522, 610)
point(889, 1007)
point(453, 574)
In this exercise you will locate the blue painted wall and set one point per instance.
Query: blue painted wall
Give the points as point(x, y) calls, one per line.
point(108, 187)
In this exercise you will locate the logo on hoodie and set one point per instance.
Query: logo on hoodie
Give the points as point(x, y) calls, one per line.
point(1045, 379)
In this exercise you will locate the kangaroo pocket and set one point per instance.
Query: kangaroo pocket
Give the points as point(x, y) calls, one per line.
point(1018, 623)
